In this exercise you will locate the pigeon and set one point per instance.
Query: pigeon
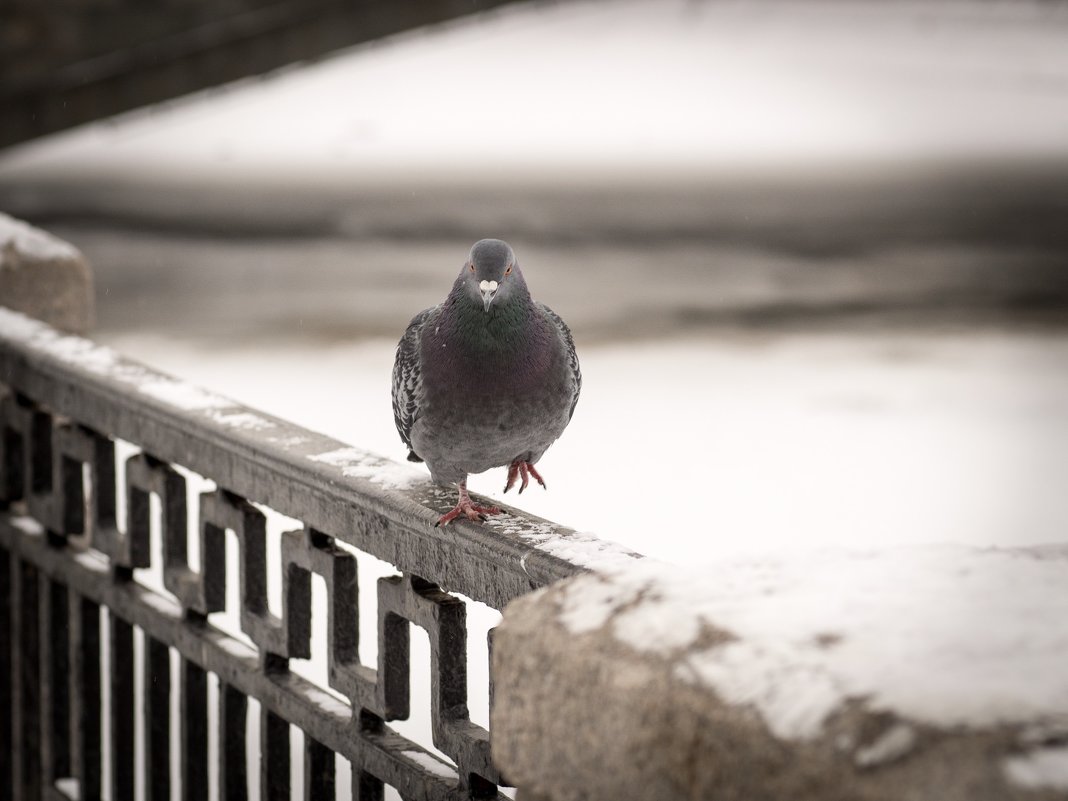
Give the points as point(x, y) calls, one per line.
point(488, 378)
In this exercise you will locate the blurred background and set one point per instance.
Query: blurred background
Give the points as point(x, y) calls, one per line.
point(814, 254)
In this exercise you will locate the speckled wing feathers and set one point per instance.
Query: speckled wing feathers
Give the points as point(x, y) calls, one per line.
point(572, 356)
point(408, 380)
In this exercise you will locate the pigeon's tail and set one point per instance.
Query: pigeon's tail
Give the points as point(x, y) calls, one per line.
point(412, 457)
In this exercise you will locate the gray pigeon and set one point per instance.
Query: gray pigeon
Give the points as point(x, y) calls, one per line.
point(486, 379)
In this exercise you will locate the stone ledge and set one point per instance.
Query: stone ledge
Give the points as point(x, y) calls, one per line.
point(44, 277)
point(913, 673)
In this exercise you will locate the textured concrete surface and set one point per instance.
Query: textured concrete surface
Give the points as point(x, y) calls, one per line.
point(44, 277)
point(591, 715)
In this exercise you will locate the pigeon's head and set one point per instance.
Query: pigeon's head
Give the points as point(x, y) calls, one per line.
point(491, 273)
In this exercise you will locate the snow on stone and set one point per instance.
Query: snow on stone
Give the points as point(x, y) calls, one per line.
point(356, 463)
point(944, 635)
point(1046, 768)
point(20, 241)
point(427, 762)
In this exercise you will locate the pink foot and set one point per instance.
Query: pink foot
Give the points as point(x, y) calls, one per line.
point(524, 470)
point(465, 506)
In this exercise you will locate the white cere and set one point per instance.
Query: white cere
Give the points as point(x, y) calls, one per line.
point(487, 286)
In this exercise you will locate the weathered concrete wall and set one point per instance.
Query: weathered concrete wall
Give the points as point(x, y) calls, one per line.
point(44, 277)
point(656, 684)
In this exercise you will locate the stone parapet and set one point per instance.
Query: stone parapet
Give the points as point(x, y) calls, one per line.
point(920, 673)
point(44, 277)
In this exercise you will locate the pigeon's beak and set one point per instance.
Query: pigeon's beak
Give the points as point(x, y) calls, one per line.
point(489, 292)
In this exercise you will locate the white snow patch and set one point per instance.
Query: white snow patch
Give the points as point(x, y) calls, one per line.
point(71, 788)
point(288, 442)
point(1043, 769)
point(72, 349)
point(891, 745)
point(356, 463)
point(182, 395)
point(577, 547)
point(427, 762)
point(327, 702)
point(235, 647)
point(24, 241)
point(242, 420)
point(91, 559)
point(945, 635)
point(27, 525)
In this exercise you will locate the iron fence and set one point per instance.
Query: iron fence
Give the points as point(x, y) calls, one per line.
point(77, 523)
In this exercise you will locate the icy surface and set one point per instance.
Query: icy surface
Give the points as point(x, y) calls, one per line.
point(1046, 768)
point(944, 635)
point(27, 242)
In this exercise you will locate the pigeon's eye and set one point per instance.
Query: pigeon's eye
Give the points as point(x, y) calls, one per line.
point(471, 267)
point(509, 270)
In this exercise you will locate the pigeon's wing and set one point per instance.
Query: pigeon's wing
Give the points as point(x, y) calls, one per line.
point(407, 380)
point(572, 356)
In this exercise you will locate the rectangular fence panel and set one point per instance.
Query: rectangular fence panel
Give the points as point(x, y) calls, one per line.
point(65, 553)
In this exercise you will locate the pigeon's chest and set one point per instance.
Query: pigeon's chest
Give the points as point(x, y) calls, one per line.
point(502, 395)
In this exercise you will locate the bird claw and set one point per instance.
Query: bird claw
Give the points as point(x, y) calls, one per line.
point(471, 511)
point(524, 470)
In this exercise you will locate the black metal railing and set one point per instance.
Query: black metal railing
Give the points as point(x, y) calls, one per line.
point(79, 525)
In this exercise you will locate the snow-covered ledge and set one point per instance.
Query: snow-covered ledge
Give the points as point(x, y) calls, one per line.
point(914, 673)
point(44, 277)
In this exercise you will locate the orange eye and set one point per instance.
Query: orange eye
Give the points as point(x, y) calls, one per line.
point(509, 270)
point(472, 267)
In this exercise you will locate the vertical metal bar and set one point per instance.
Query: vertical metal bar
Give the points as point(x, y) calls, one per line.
point(122, 709)
point(157, 712)
point(27, 683)
point(319, 777)
point(233, 764)
point(85, 695)
point(7, 739)
point(54, 677)
point(274, 757)
point(366, 787)
point(194, 732)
